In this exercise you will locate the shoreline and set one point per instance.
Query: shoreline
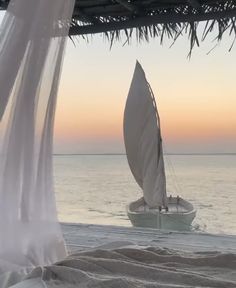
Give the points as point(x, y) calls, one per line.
point(89, 236)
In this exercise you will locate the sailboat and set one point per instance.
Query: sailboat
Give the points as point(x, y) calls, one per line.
point(143, 143)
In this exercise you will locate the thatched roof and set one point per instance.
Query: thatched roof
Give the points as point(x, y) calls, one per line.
point(152, 18)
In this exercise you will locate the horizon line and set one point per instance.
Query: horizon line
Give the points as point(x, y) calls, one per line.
point(123, 154)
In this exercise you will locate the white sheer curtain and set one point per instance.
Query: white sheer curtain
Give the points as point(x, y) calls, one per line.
point(32, 42)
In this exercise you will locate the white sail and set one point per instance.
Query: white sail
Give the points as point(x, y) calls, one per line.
point(143, 140)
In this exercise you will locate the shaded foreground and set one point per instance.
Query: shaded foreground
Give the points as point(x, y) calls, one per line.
point(109, 256)
point(135, 267)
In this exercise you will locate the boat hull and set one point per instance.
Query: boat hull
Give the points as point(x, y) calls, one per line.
point(179, 217)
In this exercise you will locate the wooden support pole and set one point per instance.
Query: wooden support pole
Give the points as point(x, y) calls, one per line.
point(195, 4)
point(131, 7)
point(84, 17)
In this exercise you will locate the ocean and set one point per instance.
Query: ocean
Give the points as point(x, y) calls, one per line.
point(95, 189)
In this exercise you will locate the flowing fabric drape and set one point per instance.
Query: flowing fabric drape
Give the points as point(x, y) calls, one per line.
point(32, 42)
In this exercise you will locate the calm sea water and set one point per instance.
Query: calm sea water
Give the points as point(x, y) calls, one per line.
point(96, 188)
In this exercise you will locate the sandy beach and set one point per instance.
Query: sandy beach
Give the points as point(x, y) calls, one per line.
point(111, 256)
point(80, 237)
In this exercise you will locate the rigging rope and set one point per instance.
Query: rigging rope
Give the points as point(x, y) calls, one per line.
point(172, 172)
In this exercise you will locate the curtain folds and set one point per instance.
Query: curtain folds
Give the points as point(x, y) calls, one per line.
point(32, 42)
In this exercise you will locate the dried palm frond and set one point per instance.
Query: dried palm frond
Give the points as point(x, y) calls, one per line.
point(156, 19)
point(121, 20)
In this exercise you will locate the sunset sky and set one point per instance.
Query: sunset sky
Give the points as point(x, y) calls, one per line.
point(196, 98)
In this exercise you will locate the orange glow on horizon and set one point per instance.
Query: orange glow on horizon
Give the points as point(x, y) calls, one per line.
point(196, 99)
point(81, 119)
